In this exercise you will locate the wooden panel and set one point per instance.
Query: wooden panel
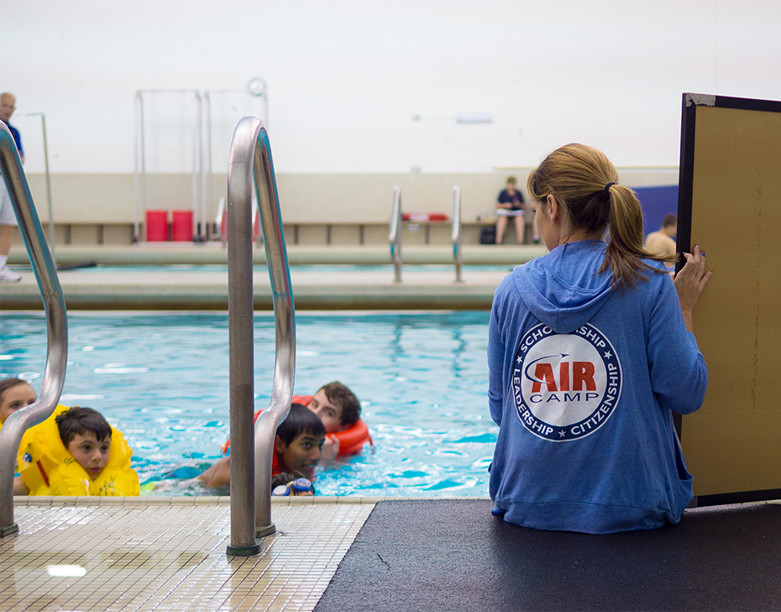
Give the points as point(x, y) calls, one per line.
point(731, 168)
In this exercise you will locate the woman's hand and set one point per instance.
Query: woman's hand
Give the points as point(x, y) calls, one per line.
point(690, 282)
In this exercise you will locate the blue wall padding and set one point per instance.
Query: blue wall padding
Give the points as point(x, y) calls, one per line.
point(656, 203)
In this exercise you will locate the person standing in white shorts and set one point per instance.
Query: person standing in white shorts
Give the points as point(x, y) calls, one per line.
point(7, 215)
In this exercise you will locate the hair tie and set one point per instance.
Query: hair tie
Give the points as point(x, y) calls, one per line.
point(607, 188)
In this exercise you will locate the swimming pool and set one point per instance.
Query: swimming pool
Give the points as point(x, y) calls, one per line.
point(162, 379)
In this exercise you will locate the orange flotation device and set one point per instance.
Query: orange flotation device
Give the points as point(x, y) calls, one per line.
point(351, 440)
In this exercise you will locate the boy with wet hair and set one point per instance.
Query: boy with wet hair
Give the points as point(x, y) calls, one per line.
point(87, 437)
point(337, 407)
point(298, 444)
point(297, 450)
point(76, 452)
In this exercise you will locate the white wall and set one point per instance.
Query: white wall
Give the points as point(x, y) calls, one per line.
point(346, 77)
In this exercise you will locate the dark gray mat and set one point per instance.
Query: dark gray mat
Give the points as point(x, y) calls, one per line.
point(453, 555)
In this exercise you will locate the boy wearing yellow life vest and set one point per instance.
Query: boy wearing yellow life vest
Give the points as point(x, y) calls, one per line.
point(76, 452)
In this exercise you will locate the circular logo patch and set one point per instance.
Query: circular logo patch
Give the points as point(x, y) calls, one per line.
point(565, 386)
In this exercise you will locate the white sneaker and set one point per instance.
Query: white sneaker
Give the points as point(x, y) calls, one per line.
point(9, 276)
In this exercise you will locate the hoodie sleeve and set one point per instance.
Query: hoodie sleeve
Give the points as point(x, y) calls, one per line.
point(679, 376)
point(496, 353)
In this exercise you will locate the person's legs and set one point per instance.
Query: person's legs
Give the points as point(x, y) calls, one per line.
point(501, 225)
point(519, 226)
point(6, 275)
point(6, 231)
point(528, 232)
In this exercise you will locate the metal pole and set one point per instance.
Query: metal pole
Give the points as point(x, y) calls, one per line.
point(209, 172)
point(251, 460)
point(395, 235)
point(140, 165)
point(48, 178)
point(456, 235)
point(56, 320)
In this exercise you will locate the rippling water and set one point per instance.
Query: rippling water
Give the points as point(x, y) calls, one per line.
point(162, 378)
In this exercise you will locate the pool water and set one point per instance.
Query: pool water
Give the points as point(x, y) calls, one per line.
point(162, 378)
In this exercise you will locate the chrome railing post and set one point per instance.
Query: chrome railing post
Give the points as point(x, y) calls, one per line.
point(199, 191)
point(139, 175)
point(394, 237)
point(48, 180)
point(251, 471)
point(56, 321)
point(209, 172)
point(456, 235)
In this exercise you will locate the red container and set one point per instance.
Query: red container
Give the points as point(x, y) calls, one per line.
point(182, 227)
point(156, 225)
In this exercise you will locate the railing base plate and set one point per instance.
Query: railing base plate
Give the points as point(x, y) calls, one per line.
point(243, 551)
point(9, 530)
point(262, 532)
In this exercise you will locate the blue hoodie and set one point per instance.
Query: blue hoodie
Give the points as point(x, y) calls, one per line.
point(583, 383)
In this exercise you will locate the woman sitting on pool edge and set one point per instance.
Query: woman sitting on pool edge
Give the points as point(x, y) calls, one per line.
point(591, 349)
point(338, 409)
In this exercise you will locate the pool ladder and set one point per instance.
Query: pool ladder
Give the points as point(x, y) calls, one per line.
point(56, 321)
point(252, 449)
point(394, 235)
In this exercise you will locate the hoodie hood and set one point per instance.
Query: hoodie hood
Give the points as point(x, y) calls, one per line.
point(563, 289)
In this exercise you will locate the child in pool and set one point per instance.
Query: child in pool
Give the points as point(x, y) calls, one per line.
point(297, 447)
point(15, 393)
point(76, 452)
point(338, 409)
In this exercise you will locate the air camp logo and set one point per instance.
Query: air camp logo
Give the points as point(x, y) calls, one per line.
point(565, 386)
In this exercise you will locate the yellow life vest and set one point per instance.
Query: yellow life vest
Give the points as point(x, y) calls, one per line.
point(47, 468)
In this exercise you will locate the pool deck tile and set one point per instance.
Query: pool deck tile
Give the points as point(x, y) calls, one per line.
point(170, 554)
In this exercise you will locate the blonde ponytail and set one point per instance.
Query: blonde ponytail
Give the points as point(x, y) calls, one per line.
point(585, 183)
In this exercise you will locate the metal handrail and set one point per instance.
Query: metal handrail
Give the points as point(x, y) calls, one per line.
point(222, 232)
point(48, 179)
point(56, 320)
point(455, 237)
point(250, 472)
point(394, 237)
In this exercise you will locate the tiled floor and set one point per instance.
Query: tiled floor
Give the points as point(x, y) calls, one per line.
point(170, 554)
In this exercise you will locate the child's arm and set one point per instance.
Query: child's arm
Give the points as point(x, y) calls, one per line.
point(19, 487)
point(218, 475)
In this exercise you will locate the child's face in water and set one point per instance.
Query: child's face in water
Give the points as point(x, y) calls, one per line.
point(90, 453)
point(302, 455)
point(330, 414)
point(14, 398)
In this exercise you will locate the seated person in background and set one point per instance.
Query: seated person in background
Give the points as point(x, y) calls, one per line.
point(297, 446)
point(510, 204)
point(76, 452)
point(661, 241)
point(15, 393)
